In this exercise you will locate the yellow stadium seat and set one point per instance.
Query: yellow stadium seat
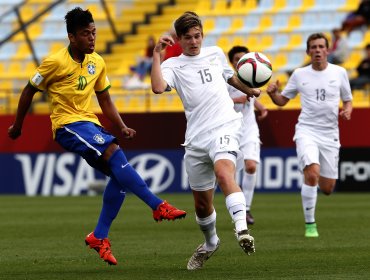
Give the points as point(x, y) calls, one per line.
point(353, 60)
point(293, 23)
point(278, 6)
point(209, 24)
point(280, 60)
point(306, 5)
point(224, 42)
point(349, 6)
point(265, 23)
point(252, 41)
point(238, 41)
point(266, 42)
point(203, 7)
point(236, 24)
point(241, 7)
point(295, 40)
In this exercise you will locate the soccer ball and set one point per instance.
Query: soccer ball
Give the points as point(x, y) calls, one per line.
point(254, 69)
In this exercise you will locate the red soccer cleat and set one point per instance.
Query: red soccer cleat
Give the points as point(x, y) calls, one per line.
point(166, 211)
point(102, 246)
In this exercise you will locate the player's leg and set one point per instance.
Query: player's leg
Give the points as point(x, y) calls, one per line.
point(113, 198)
point(327, 185)
point(248, 185)
point(308, 155)
point(224, 167)
point(329, 158)
point(250, 148)
point(225, 153)
point(128, 178)
point(202, 182)
point(206, 220)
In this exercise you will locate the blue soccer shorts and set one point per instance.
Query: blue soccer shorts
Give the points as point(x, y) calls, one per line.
point(87, 139)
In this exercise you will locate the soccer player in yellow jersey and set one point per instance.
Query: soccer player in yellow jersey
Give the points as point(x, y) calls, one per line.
point(70, 77)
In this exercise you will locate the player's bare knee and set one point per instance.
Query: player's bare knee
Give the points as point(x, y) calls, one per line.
point(250, 168)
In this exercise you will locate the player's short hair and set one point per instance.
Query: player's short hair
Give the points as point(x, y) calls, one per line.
point(77, 18)
point(186, 21)
point(367, 46)
point(315, 36)
point(236, 49)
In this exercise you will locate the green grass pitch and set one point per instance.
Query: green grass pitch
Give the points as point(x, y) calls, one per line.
point(43, 238)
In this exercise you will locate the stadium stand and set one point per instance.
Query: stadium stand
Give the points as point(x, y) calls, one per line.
point(278, 28)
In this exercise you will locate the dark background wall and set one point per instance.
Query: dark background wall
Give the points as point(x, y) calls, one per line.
point(167, 130)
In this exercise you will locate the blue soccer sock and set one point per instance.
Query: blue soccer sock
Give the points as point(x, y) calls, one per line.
point(128, 178)
point(113, 198)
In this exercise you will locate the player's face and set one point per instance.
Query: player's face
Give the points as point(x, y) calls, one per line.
point(84, 39)
point(318, 51)
point(236, 58)
point(191, 42)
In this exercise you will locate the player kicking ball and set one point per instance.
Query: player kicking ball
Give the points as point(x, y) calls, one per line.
point(212, 137)
point(71, 76)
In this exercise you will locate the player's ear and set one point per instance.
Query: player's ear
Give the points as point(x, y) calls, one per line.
point(71, 38)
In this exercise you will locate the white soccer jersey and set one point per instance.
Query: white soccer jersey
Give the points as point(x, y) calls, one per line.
point(321, 92)
point(200, 82)
point(250, 127)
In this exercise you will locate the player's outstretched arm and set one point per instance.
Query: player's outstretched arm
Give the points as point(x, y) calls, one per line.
point(273, 91)
point(236, 83)
point(110, 111)
point(24, 104)
point(159, 85)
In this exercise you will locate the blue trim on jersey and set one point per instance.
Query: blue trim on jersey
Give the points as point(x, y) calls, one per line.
point(87, 139)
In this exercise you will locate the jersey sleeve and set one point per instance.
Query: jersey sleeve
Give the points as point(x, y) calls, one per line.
point(44, 73)
point(228, 72)
point(290, 91)
point(345, 88)
point(167, 73)
point(102, 83)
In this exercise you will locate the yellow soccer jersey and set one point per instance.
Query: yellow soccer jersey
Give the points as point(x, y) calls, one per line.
point(70, 86)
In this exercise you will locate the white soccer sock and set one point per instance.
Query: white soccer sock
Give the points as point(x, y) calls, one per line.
point(248, 184)
point(208, 227)
point(235, 203)
point(309, 199)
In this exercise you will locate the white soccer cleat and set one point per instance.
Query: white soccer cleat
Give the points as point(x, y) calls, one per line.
point(246, 241)
point(200, 256)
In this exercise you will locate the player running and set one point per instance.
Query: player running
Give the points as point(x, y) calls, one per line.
point(321, 85)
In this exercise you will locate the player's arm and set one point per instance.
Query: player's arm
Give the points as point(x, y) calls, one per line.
point(24, 105)
point(261, 109)
point(276, 97)
point(159, 85)
point(236, 83)
point(346, 110)
point(240, 99)
point(110, 111)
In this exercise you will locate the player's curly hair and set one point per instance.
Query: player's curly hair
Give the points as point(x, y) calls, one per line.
point(77, 18)
point(315, 36)
point(186, 21)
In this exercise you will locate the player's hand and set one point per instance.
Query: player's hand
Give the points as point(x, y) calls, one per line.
point(163, 42)
point(14, 132)
point(254, 92)
point(273, 88)
point(263, 114)
point(128, 133)
point(345, 114)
